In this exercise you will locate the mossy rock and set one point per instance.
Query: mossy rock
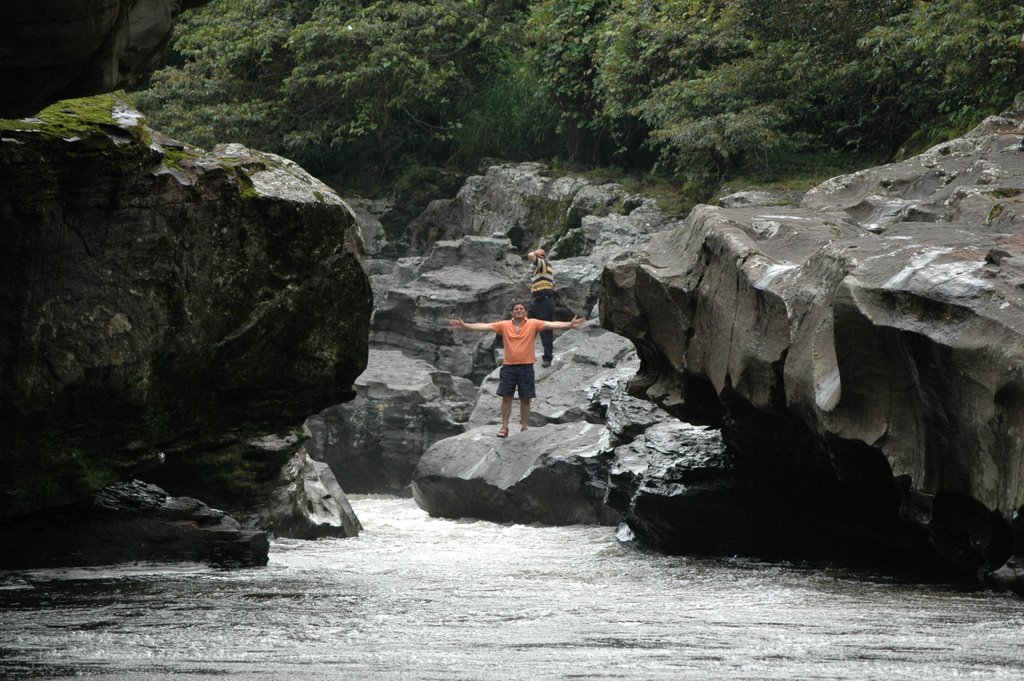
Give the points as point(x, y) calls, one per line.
point(159, 298)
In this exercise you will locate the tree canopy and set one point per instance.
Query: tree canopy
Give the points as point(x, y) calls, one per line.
point(362, 90)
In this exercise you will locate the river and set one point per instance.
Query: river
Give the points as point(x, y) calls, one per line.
point(415, 597)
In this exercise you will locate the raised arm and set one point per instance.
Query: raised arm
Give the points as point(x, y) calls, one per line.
point(470, 326)
point(576, 323)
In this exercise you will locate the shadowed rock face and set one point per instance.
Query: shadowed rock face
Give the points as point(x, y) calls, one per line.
point(126, 522)
point(885, 316)
point(157, 297)
point(402, 406)
point(60, 49)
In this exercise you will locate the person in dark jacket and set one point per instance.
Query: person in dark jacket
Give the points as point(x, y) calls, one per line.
point(542, 299)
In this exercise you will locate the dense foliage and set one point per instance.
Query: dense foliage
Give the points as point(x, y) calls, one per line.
point(695, 90)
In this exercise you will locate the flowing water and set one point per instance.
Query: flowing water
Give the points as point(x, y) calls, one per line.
point(420, 598)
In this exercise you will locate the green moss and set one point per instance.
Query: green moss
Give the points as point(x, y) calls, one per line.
point(85, 131)
point(235, 476)
point(573, 243)
point(68, 118)
point(173, 157)
point(246, 189)
point(672, 197)
point(60, 470)
point(994, 213)
point(548, 218)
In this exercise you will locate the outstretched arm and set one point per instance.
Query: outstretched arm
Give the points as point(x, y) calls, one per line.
point(470, 326)
point(574, 324)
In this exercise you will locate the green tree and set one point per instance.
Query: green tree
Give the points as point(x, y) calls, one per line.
point(345, 88)
point(946, 65)
point(564, 37)
point(697, 90)
point(222, 84)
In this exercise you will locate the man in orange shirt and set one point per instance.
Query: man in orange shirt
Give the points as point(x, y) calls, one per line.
point(519, 335)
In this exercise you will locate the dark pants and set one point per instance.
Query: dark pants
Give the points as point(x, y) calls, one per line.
point(543, 307)
point(519, 376)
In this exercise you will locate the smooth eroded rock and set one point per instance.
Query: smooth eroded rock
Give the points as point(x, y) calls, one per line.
point(553, 475)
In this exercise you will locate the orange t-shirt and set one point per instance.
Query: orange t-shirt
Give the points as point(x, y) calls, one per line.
point(519, 344)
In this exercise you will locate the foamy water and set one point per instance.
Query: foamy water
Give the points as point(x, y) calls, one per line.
point(420, 598)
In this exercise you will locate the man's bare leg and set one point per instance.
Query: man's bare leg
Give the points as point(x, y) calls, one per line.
point(506, 410)
point(524, 413)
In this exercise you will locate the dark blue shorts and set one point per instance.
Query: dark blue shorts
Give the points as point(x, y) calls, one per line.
point(514, 376)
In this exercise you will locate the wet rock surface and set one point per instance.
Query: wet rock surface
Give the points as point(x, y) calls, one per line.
point(308, 503)
point(554, 474)
point(130, 522)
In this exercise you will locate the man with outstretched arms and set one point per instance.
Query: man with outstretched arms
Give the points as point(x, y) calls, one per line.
point(519, 335)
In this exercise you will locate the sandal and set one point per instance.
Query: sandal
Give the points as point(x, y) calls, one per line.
point(503, 431)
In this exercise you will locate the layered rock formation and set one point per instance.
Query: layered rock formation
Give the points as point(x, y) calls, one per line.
point(477, 267)
point(402, 406)
point(62, 49)
point(161, 298)
point(873, 335)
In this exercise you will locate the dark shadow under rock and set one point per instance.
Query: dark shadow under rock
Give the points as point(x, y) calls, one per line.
point(681, 490)
point(130, 522)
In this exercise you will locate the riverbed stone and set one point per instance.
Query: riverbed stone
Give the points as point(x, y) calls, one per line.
point(555, 475)
point(308, 503)
point(130, 522)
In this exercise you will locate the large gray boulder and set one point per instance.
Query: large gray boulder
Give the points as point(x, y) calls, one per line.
point(554, 475)
point(161, 298)
point(877, 330)
point(76, 48)
point(518, 201)
point(402, 406)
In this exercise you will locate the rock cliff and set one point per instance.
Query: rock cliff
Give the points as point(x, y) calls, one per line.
point(874, 334)
point(160, 299)
point(75, 48)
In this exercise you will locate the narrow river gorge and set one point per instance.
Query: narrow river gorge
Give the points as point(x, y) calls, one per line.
point(415, 597)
